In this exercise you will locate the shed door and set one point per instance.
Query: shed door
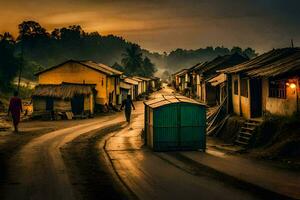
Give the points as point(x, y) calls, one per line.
point(49, 104)
point(77, 104)
point(166, 127)
point(192, 126)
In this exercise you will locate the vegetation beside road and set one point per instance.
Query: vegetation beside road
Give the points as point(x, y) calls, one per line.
point(278, 138)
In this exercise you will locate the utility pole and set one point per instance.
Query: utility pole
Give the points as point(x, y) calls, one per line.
point(292, 43)
point(21, 66)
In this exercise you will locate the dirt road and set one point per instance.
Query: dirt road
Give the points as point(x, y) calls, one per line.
point(38, 171)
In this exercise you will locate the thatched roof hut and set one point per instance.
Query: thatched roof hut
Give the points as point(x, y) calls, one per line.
point(63, 91)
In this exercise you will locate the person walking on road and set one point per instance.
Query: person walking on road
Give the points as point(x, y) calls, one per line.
point(15, 108)
point(127, 103)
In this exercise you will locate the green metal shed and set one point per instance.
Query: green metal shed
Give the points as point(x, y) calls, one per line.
point(175, 123)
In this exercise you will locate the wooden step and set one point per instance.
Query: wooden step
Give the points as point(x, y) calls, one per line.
point(251, 124)
point(245, 138)
point(248, 128)
point(245, 133)
point(241, 142)
point(254, 121)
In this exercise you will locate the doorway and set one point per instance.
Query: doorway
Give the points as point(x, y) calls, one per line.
point(77, 104)
point(256, 98)
point(49, 104)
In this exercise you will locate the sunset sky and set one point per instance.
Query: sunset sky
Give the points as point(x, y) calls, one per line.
point(163, 25)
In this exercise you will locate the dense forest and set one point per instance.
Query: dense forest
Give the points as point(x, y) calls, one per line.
point(35, 49)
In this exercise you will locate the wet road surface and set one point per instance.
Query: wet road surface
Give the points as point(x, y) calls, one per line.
point(38, 171)
point(152, 175)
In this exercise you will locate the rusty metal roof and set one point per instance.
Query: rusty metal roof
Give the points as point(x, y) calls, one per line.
point(170, 99)
point(271, 64)
point(221, 62)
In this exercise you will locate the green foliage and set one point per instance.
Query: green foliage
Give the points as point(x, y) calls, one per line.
point(135, 64)
point(42, 49)
point(132, 60)
point(119, 67)
point(181, 58)
point(9, 64)
point(148, 68)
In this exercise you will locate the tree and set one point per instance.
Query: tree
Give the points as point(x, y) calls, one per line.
point(250, 52)
point(9, 64)
point(132, 60)
point(31, 29)
point(236, 50)
point(117, 66)
point(148, 68)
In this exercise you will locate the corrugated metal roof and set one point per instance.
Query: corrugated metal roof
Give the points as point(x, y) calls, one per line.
point(125, 85)
point(221, 78)
point(142, 78)
point(102, 67)
point(170, 99)
point(90, 64)
point(273, 63)
point(131, 81)
point(221, 62)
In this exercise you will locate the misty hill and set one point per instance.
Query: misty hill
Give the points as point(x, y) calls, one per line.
point(43, 49)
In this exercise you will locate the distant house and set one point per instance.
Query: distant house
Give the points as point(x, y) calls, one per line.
point(209, 89)
point(128, 86)
point(267, 84)
point(140, 82)
point(64, 97)
point(145, 83)
point(180, 80)
point(105, 78)
point(154, 83)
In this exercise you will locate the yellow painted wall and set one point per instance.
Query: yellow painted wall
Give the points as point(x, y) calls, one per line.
point(76, 73)
point(245, 103)
point(236, 98)
point(284, 107)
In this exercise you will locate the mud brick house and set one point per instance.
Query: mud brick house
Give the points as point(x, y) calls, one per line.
point(211, 87)
point(106, 79)
point(267, 84)
point(64, 97)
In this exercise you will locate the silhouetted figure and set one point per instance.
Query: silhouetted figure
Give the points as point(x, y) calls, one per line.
point(15, 108)
point(127, 103)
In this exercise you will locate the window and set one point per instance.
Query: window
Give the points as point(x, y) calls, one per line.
point(244, 87)
point(236, 87)
point(277, 89)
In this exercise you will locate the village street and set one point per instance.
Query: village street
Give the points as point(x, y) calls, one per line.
point(157, 175)
point(39, 172)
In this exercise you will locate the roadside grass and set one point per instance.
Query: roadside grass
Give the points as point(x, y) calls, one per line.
point(278, 138)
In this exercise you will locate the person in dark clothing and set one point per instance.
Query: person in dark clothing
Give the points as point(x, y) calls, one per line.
point(15, 108)
point(127, 103)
